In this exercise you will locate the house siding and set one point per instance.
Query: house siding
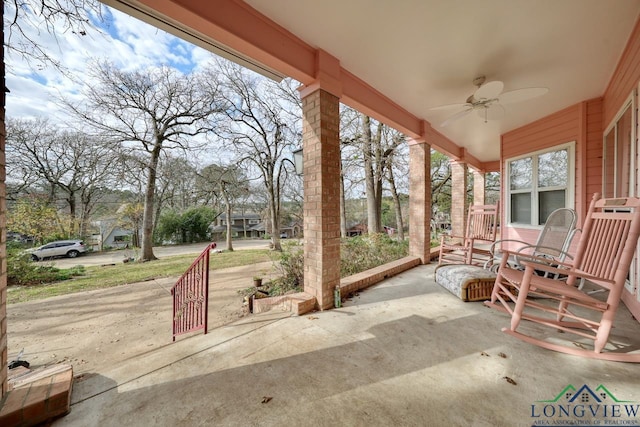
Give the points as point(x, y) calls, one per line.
point(625, 78)
point(558, 128)
point(583, 123)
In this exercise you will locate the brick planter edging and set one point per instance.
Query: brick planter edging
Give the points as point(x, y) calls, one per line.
point(302, 302)
point(374, 275)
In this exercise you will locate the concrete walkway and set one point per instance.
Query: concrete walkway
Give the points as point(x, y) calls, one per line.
point(402, 353)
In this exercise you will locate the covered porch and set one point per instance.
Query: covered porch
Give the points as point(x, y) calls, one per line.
point(403, 352)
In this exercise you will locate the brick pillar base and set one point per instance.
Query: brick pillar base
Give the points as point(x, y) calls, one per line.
point(458, 198)
point(420, 200)
point(321, 143)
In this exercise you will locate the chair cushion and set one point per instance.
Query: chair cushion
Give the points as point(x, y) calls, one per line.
point(467, 282)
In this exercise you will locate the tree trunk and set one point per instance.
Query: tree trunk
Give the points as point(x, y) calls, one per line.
point(396, 204)
point(149, 197)
point(227, 205)
point(370, 188)
point(343, 208)
point(275, 226)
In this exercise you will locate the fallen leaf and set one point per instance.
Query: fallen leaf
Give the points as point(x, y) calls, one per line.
point(501, 354)
point(510, 380)
point(266, 399)
point(311, 317)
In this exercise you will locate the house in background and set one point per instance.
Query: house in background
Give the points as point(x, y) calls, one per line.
point(242, 225)
point(111, 235)
point(250, 225)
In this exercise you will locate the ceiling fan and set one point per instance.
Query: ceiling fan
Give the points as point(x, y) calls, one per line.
point(487, 100)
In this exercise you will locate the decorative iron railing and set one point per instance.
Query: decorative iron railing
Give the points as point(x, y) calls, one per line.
point(191, 296)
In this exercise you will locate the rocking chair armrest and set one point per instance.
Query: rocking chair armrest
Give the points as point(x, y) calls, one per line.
point(566, 272)
point(492, 249)
point(556, 258)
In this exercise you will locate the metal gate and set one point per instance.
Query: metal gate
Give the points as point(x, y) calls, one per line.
point(191, 296)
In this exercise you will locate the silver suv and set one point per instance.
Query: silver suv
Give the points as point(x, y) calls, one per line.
point(68, 248)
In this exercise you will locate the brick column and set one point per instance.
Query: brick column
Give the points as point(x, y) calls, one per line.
point(321, 144)
point(3, 236)
point(458, 198)
point(479, 188)
point(420, 200)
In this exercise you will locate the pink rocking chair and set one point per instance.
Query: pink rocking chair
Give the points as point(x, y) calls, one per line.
point(603, 258)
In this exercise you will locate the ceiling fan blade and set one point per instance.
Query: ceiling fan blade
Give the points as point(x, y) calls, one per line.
point(519, 95)
point(489, 90)
point(449, 106)
point(493, 112)
point(456, 116)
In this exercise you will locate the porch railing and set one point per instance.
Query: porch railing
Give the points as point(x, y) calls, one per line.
point(191, 296)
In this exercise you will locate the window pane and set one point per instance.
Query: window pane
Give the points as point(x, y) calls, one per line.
point(549, 202)
point(521, 208)
point(552, 169)
point(520, 174)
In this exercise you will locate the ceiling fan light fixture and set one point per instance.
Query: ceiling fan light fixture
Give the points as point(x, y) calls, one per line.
point(487, 100)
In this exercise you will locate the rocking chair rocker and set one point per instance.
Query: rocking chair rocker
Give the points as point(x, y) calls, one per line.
point(603, 258)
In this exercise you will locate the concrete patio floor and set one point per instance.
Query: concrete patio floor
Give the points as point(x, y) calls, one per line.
point(402, 353)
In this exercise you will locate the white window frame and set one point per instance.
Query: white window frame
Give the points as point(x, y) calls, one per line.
point(569, 188)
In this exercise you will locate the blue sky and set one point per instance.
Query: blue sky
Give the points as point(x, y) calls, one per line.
point(127, 42)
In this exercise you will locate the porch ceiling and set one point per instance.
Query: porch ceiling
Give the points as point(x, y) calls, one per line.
point(425, 53)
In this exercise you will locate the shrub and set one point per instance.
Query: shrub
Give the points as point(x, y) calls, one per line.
point(357, 254)
point(290, 265)
point(361, 253)
point(21, 271)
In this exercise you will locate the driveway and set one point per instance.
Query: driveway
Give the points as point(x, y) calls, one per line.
point(96, 329)
point(115, 257)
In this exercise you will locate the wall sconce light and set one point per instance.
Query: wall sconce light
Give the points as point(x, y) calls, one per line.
point(298, 161)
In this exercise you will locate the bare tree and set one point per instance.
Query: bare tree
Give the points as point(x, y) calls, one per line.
point(377, 147)
point(393, 187)
point(71, 165)
point(259, 130)
point(147, 112)
point(50, 16)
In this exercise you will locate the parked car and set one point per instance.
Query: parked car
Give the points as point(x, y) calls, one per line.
point(68, 248)
point(283, 235)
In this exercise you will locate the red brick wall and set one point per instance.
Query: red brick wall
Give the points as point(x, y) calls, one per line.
point(420, 200)
point(321, 123)
point(458, 198)
point(478, 188)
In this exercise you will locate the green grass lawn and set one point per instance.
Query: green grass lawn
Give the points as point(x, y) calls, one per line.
point(107, 276)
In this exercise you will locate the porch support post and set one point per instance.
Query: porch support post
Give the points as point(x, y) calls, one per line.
point(458, 197)
point(479, 188)
point(420, 200)
point(321, 144)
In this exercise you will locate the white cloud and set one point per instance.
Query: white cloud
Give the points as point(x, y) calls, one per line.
point(127, 42)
